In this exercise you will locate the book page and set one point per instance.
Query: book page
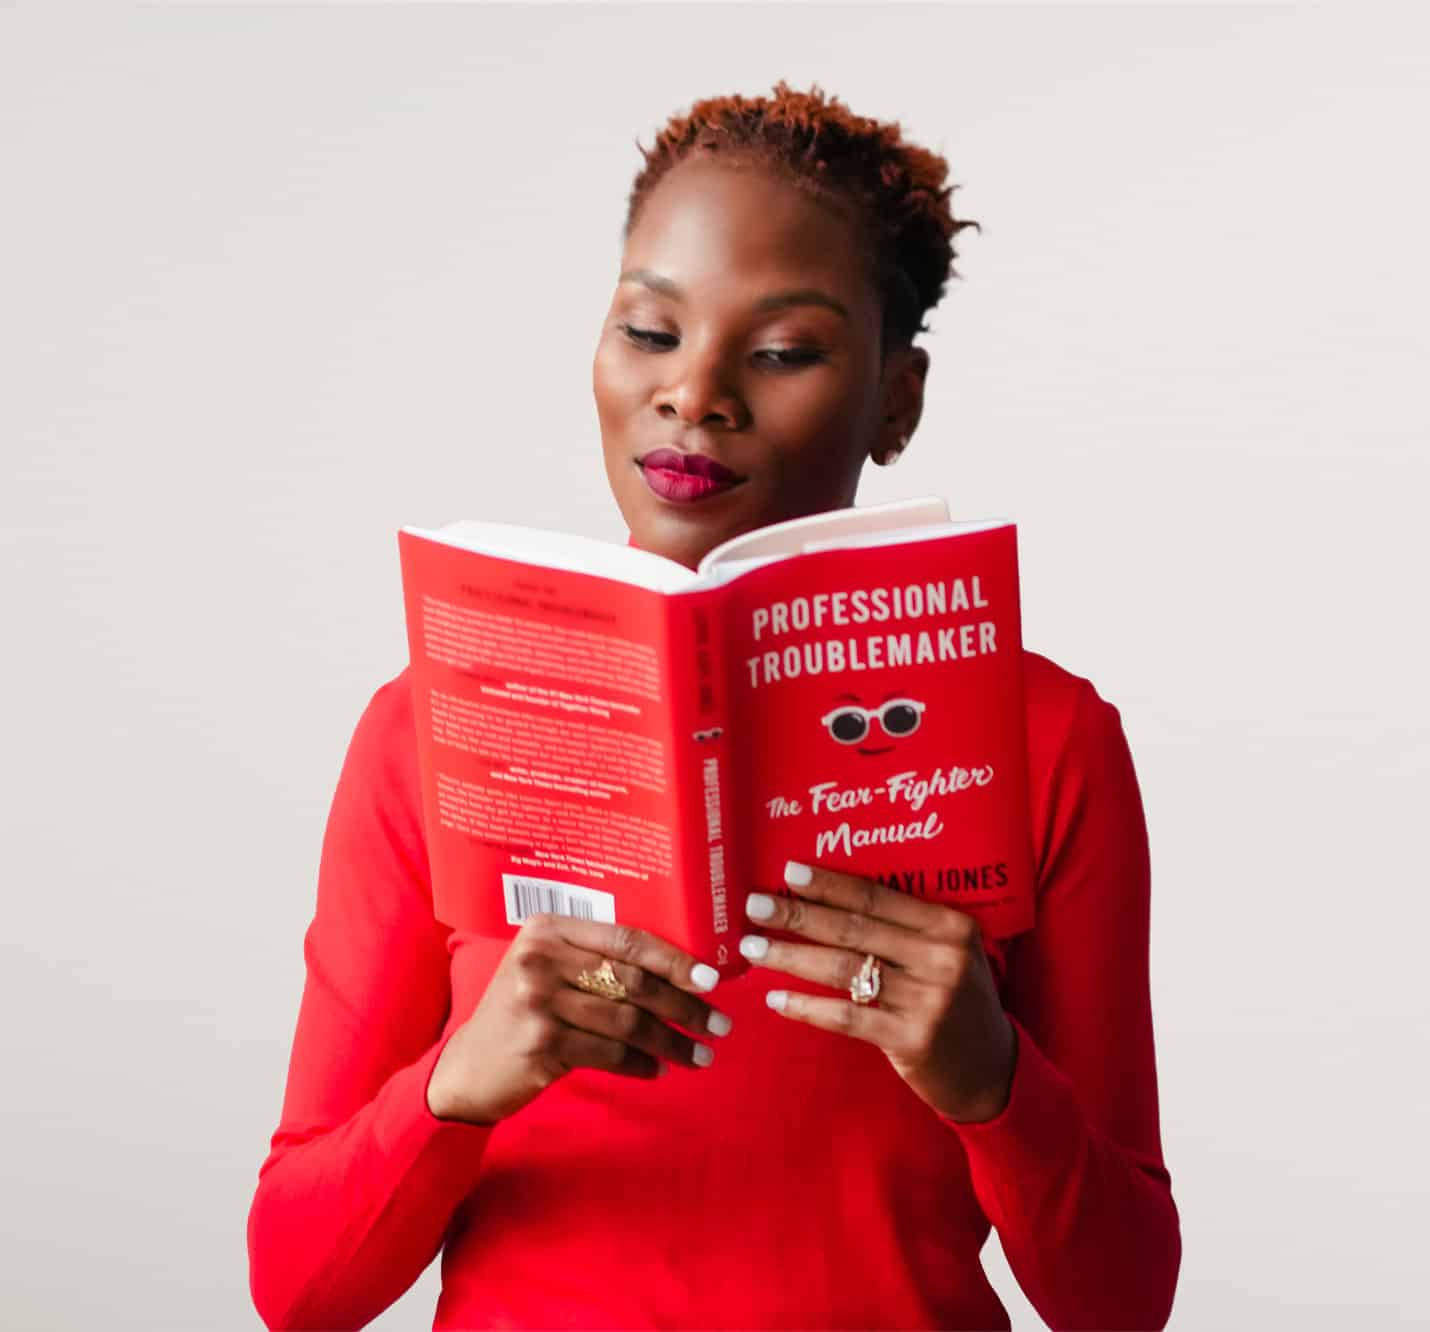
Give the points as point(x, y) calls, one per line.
point(563, 550)
point(791, 537)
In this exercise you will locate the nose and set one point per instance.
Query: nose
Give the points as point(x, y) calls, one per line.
point(699, 392)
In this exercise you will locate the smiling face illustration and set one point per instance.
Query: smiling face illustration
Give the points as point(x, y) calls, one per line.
point(850, 723)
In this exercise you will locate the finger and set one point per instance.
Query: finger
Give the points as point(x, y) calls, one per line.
point(578, 1048)
point(632, 1026)
point(840, 927)
point(866, 897)
point(861, 1021)
point(647, 991)
point(625, 943)
point(833, 967)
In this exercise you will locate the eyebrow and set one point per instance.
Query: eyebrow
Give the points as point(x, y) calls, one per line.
point(777, 300)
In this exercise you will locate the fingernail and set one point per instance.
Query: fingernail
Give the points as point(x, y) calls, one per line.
point(777, 999)
point(703, 1055)
point(759, 907)
point(797, 875)
point(754, 946)
point(704, 977)
point(718, 1023)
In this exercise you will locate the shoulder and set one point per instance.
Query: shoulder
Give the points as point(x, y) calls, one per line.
point(1080, 772)
point(386, 723)
point(1068, 719)
point(1054, 699)
point(382, 755)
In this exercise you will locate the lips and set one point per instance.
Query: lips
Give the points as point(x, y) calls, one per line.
point(689, 464)
point(684, 478)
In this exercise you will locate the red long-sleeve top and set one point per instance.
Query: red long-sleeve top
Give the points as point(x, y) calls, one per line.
point(798, 1182)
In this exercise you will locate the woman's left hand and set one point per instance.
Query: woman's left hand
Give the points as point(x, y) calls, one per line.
point(938, 1016)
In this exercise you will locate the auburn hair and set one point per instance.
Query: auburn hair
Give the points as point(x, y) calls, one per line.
point(896, 187)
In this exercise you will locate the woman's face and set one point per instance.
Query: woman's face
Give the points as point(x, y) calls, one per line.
point(744, 332)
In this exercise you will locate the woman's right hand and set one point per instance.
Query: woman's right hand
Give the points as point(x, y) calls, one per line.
point(534, 1024)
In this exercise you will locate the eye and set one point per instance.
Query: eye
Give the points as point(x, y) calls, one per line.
point(645, 337)
point(788, 357)
point(782, 358)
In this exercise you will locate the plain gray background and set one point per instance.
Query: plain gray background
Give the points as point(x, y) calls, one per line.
point(275, 281)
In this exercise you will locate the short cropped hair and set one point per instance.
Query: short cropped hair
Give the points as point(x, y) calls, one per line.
point(896, 188)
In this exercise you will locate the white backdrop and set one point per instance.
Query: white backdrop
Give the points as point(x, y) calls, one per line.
point(277, 280)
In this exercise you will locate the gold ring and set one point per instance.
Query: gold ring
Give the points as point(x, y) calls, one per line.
point(602, 981)
point(864, 988)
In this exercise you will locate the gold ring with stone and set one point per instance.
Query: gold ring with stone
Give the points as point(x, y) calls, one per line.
point(864, 988)
point(603, 981)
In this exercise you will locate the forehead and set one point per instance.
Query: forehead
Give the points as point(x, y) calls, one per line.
point(732, 226)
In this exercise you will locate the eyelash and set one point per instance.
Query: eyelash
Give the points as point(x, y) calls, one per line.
point(644, 338)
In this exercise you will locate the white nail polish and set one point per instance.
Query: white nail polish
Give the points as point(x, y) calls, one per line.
point(777, 999)
point(758, 906)
point(797, 875)
point(754, 947)
point(718, 1024)
point(703, 976)
point(703, 1055)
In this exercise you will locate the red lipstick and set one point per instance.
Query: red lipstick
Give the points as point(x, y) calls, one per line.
point(685, 477)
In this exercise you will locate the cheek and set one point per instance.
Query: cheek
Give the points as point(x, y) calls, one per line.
point(829, 425)
point(617, 386)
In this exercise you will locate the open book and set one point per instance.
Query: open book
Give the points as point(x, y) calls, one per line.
point(603, 732)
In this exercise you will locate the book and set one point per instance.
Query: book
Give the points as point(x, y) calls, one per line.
point(603, 732)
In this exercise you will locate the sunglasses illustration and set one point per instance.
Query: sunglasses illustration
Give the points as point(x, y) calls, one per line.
point(850, 723)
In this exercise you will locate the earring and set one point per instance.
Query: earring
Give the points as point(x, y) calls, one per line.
point(891, 456)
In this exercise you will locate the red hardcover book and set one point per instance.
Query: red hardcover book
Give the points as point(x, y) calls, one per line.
point(603, 732)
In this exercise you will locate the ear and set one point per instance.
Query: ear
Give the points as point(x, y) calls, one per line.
point(902, 393)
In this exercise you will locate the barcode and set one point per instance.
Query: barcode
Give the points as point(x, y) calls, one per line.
point(526, 896)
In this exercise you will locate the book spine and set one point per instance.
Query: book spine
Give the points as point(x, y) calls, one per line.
point(702, 777)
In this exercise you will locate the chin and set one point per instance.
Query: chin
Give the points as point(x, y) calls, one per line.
point(664, 527)
point(682, 540)
point(686, 532)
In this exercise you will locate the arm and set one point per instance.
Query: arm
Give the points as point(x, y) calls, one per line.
point(362, 1179)
point(1070, 1172)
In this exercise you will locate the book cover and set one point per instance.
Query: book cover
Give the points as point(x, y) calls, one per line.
point(650, 753)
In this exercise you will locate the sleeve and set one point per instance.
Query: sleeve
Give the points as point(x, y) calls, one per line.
point(1071, 1171)
point(361, 1179)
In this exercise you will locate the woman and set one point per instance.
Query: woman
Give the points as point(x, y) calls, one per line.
point(810, 1161)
